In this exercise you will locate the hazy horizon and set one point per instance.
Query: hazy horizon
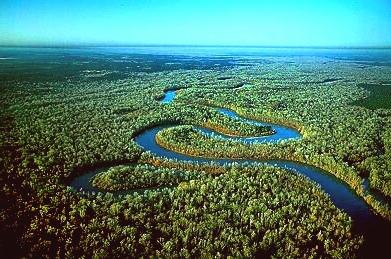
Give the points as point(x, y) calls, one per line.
point(188, 45)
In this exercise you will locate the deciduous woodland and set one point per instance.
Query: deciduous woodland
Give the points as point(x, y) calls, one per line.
point(56, 126)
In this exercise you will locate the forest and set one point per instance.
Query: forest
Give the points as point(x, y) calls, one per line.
point(55, 130)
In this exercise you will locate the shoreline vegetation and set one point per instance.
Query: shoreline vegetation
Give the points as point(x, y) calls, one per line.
point(180, 133)
point(185, 137)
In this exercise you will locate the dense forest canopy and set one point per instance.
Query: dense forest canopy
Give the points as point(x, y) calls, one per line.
point(59, 120)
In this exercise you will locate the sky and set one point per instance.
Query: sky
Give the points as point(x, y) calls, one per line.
point(302, 23)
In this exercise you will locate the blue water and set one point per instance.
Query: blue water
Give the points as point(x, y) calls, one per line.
point(168, 97)
point(342, 196)
point(374, 228)
point(281, 132)
point(340, 193)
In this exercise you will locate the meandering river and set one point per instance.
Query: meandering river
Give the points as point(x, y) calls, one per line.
point(376, 231)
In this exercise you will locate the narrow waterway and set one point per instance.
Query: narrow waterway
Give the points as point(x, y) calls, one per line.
point(376, 231)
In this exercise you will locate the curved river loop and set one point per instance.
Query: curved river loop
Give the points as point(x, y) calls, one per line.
point(376, 230)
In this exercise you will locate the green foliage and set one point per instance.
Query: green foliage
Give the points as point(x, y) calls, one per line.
point(51, 131)
point(379, 97)
point(140, 177)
